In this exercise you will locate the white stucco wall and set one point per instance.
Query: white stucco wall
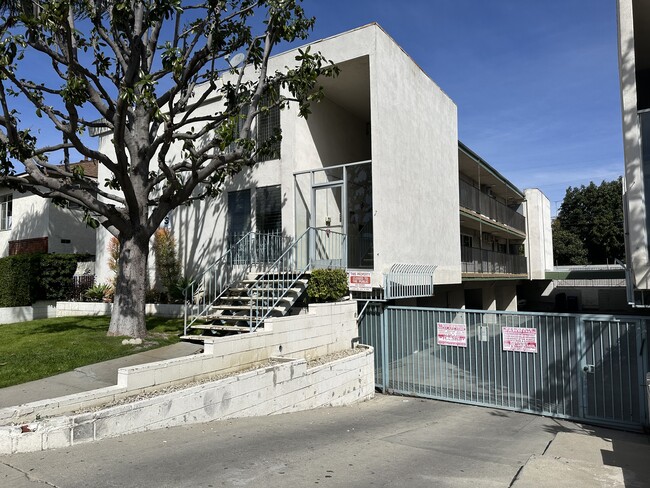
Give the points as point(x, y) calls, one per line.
point(64, 224)
point(29, 220)
point(539, 240)
point(633, 189)
point(415, 166)
point(34, 217)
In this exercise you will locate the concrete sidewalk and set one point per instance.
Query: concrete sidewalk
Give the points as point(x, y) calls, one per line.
point(549, 453)
point(589, 456)
point(90, 377)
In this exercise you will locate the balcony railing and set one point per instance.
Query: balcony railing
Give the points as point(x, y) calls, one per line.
point(475, 260)
point(482, 203)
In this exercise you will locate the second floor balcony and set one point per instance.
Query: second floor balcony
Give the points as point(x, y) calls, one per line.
point(484, 262)
point(483, 204)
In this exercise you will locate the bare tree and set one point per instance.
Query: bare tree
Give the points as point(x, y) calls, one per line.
point(142, 71)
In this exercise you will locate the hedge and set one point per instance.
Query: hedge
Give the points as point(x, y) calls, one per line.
point(26, 278)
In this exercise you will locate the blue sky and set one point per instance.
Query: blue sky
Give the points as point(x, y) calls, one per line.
point(535, 82)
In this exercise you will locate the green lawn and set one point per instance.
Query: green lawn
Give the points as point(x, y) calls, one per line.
point(41, 348)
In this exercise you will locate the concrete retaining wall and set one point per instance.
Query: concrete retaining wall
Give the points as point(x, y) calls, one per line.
point(51, 309)
point(74, 309)
point(286, 387)
point(324, 329)
point(40, 310)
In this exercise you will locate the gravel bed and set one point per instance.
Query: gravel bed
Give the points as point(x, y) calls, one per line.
point(311, 363)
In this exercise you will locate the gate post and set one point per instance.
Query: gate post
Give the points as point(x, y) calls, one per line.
point(583, 394)
point(384, 345)
point(644, 394)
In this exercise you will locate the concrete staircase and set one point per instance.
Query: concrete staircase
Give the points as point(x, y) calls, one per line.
point(248, 302)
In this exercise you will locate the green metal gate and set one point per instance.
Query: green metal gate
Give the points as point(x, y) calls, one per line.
point(581, 367)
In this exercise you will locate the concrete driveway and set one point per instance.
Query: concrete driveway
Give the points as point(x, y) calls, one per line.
point(389, 441)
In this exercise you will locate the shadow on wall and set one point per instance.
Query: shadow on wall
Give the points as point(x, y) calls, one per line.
point(202, 227)
point(26, 225)
point(636, 209)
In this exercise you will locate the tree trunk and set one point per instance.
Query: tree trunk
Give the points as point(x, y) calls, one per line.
point(128, 316)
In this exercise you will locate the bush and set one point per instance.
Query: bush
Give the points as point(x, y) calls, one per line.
point(55, 277)
point(168, 267)
point(99, 293)
point(26, 278)
point(19, 280)
point(327, 285)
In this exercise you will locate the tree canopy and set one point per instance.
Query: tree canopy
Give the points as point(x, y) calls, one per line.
point(143, 71)
point(589, 226)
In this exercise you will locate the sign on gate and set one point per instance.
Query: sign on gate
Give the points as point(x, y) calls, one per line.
point(519, 339)
point(452, 335)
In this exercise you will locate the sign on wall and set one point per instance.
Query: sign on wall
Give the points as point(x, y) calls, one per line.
point(359, 281)
point(452, 335)
point(519, 339)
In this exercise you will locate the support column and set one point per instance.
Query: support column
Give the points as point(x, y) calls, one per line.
point(506, 298)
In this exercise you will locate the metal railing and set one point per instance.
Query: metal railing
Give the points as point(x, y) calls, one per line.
point(473, 199)
point(474, 260)
point(275, 284)
point(250, 250)
point(262, 247)
point(314, 247)
point(409, 280)
point(583, 367)
point(328, 248)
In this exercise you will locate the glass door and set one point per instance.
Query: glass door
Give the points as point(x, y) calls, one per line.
point(328, 242)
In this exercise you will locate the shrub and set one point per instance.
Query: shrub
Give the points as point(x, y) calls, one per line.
point(113, 256)
point(19, 280)
point(98, 293)
point(26, 278)
point(327, 285)
point(55, 277)
point(168, 268)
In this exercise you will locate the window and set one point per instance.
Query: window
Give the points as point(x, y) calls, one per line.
point(268, 210)
point(5, 212)
point(268, 126)
point(239, 213)
point(465, 240)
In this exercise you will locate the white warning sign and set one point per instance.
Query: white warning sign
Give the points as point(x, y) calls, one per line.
point(519, 339)
point(452, 335)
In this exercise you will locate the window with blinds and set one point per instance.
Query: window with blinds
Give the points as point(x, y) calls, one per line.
point(268, 210)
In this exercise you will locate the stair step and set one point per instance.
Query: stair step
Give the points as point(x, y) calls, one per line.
point(241, 307)
point(259, 298)
point(228, 318)
point(302, 281)
point(245, 290)
point(222, 328)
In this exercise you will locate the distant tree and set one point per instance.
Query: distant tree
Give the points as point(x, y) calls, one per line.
point(568, 248)
point(143, 71)
point(589, 225)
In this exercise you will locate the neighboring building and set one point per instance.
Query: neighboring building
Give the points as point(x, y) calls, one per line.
point(634, 68)
point(378, 171)
point(30, 223)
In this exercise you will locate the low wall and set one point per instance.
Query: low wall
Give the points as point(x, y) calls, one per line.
point(324, 329)
point(286, 387)
point(40, 310)
point(75, 309)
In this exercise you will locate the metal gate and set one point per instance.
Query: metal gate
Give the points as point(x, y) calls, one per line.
point(581, 367)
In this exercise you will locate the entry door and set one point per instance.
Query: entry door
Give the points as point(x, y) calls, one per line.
point(613, 371)
point(328, 242)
